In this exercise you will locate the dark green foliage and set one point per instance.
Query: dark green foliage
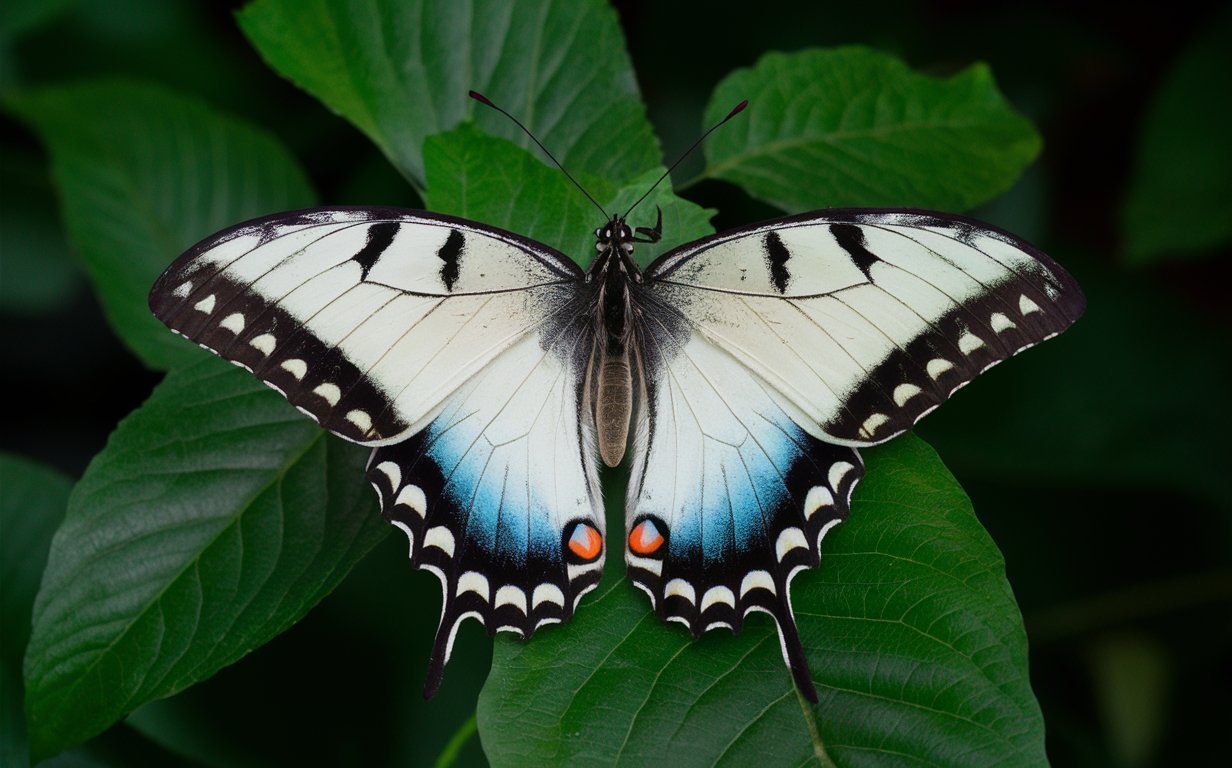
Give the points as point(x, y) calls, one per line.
point(216, 517)
point(143, 179)
point(1180, 202)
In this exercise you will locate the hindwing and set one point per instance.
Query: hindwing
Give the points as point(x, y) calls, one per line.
point(731, 493)
point(499, 495)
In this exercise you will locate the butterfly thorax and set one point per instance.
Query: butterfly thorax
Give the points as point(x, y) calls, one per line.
point(611, 364)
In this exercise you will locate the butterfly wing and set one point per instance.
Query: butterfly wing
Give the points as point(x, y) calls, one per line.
point(730, 496)
point(365, 319)
point(770, 354)
point(458, 351)
point(867, 320)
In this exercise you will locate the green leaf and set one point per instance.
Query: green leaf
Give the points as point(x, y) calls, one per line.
point(494, 181)
point(1180, 196)
point(912, 633)
point(400, 71)
point(215, 517)
point(31, 506)
point(856, 127)
point(143, 173)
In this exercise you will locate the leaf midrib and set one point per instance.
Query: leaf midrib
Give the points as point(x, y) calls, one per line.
point(833, 138)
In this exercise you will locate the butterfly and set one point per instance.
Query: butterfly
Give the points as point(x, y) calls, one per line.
point(738, 374)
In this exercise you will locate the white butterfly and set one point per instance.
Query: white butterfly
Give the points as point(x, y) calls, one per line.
point(491, 375)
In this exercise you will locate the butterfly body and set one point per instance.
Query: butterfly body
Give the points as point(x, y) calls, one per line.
point(738, 375)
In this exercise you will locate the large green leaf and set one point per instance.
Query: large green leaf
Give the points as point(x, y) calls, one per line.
point(913, 636)
point(32, 502)
point(856, 127)
point(213, 520)
point(143, 173)
point(400, 71)
point(1180, 195)
point(496, 182)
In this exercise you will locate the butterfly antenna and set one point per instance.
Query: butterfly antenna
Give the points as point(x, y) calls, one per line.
point(735, 111)
point(479, 97)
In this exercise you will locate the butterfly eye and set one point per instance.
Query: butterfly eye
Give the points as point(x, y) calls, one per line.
point(646, 538)
point(625, 233)
point(598, 233)
point(585, 543)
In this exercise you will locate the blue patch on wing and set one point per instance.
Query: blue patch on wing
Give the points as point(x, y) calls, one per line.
point(739, 493)
point(490, 494)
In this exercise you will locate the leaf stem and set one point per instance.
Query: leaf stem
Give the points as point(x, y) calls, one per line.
point(449, 755)
point(810, 719)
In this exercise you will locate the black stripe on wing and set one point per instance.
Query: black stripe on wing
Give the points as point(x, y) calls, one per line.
point(238, 324)
point(921, 373)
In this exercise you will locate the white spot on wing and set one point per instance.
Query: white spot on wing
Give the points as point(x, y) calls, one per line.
point(295, 367)
point(206, 305)
point(904, 392)
point(510, 595)
point(547, 593)
point(969, 342)
point(838, 471)
point(791, 538)
point(818, 496)
point(441, 538)
point(1000, 323)
point(183, 290)
point(755, 580)
point(1026, 306)
point(473, 581)
point(680, 588)
point(360, 419)
point(264, 343)
point(233, 322)
point(329, 393)
point(938, 366)
point(718, 595)
point(412, 496)
point(392, 471)
point(872, 423)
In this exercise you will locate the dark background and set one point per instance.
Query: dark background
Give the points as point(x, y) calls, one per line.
point(1098, 466)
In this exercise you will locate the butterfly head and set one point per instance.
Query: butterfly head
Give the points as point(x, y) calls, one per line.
point(615, 236)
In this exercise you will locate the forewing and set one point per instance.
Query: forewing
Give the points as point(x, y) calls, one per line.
point(730, 494)
point(365, 319)
point(499, 494)
point(866, 320)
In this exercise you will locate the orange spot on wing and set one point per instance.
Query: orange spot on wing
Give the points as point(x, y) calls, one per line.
point(645, 538)
point(585, 542)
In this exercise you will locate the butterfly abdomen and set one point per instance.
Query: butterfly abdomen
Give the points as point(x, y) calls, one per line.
point(614, 406)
